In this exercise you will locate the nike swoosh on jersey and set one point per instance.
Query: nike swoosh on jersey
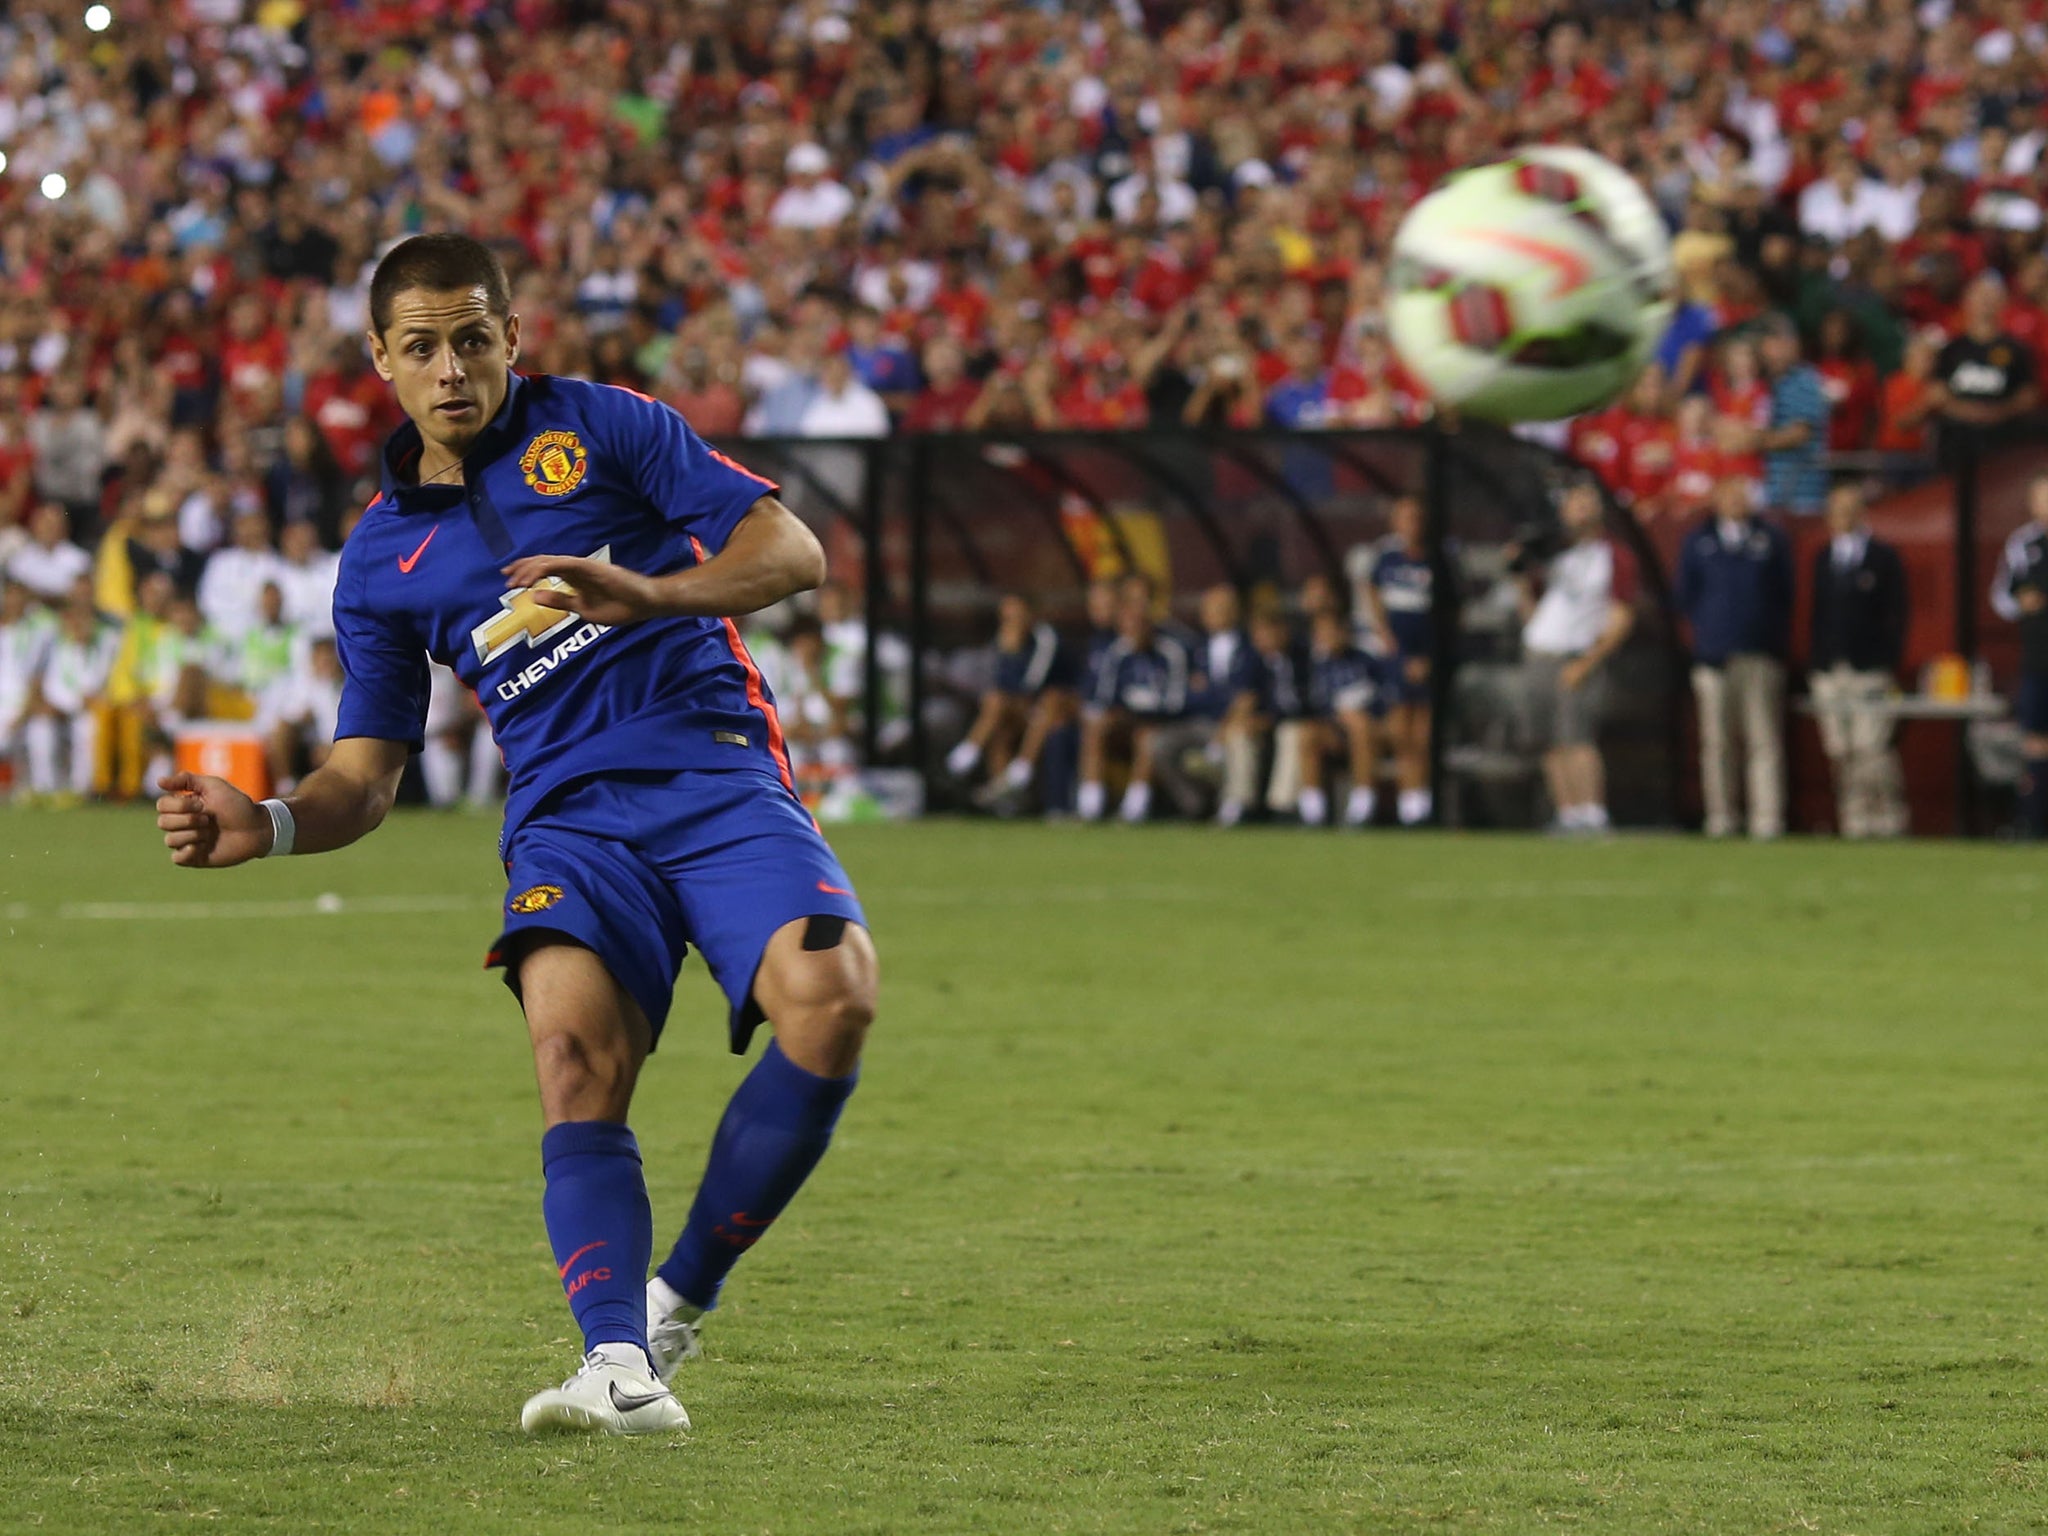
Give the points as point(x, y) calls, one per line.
point(405, 566)
point(627, 1404)
point(832, 890)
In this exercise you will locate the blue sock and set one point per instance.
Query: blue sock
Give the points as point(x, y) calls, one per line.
point(601, 1226)
point(774, 1131)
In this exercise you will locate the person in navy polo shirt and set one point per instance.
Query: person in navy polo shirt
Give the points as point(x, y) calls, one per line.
point(577, 555)
point(1735, 589)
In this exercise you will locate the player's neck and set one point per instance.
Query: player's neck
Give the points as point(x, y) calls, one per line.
point(439, 465)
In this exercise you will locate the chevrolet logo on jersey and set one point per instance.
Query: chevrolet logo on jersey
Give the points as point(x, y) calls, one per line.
point(521, 616)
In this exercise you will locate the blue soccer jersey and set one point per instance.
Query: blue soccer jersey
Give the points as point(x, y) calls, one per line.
point(1404, 584)
point(650, 807)
point(565, 468)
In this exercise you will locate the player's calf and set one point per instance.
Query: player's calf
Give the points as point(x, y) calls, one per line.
point(817, 986)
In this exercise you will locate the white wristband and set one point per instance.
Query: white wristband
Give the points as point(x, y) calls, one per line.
point(282, 828)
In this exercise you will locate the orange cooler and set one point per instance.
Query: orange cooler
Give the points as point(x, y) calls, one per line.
point(226, 749)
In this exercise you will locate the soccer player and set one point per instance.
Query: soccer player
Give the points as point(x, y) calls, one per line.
point(576, 553)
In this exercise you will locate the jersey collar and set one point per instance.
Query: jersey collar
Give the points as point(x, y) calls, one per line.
point(402, 448)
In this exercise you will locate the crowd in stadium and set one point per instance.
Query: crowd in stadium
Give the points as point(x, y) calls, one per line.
point(928, 215)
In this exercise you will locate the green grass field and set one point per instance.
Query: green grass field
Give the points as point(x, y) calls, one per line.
point(1200, 1182)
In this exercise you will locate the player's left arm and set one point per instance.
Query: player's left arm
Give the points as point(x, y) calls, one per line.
point(770, 555)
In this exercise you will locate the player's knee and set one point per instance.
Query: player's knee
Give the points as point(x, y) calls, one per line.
point(575, 1071)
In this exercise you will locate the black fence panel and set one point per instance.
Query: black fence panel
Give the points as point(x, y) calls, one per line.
point(930, 531)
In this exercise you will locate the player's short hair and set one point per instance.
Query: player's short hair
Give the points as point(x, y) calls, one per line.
point(443, 263)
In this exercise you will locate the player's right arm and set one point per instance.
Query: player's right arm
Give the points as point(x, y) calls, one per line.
point(209, 824)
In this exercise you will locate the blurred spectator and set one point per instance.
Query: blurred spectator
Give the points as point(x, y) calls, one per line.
point(17, 468)
point(1583, 615)
point(2019, 595)
point(142, 682)
point(459, 762)
point(1142, 685)
point(261, 659)
point(814, 722)
point(842, 405)
point(26, 630)
point(1027, 654)
point(947, 395)
point(1795, 441)
point(708, 398)
point(230, 590)
point(881, 360)
point(1908, 397)
point(1393, 587)
point(49, 564)
point(811, 200)
point(1344, 711)
point(1282, 718)
point(304, 721)
point(64, 730)
point(1858, 636)
point(1985, 377)
point(304, 484)
point(69, 442)
point(307, 574)
point(1734, 589)
point(1849, 380)
point(1212, 757)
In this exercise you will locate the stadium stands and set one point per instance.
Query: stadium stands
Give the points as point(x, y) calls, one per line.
point(829, 219)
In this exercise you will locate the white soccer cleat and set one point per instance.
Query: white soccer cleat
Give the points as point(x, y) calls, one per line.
point(614, 1393)
point(672, 1329)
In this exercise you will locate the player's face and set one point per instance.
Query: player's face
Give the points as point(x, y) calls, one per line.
point(450, 360)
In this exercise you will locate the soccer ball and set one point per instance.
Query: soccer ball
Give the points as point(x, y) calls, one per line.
point(1531, 288)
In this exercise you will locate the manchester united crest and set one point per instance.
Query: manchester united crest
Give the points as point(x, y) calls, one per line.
point(535, 899)
point(554, 463)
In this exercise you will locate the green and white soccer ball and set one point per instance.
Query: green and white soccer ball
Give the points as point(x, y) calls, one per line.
point(1532, 288)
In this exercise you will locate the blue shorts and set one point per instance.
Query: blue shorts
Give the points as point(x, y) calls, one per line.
point(1397, 687)
point(2030, 704)
point(637, 867)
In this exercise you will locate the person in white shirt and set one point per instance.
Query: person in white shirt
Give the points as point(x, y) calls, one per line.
point(843, 406)
point(307, 573)
point(26, 630)
point(1581, 618)
point(70, 697)
point(49, 563)
point(1843, 203)
point(234, 579)
point(308, 710)
point(812, 200)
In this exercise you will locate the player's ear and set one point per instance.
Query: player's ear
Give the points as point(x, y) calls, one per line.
point(511, 340)
point(379, 358)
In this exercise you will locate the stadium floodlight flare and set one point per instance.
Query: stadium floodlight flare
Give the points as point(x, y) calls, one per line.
point(3, 162)
point(98, 18)
point(55, 186)
point(1532, 288)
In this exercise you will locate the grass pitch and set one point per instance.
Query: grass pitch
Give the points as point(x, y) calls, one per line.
point(1255, 1183)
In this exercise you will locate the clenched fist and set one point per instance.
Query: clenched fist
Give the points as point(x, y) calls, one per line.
point(210, 824)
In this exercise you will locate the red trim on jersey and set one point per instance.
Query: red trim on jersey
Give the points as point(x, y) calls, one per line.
point(739, 468)
point(757, 692)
